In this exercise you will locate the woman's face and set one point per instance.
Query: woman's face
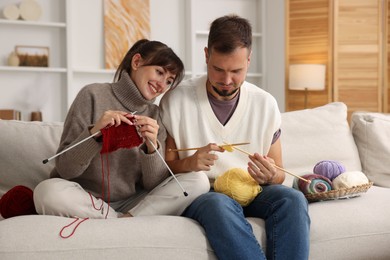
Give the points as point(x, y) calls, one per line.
point(151, 81)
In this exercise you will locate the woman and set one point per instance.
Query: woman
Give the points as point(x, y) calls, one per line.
point(138, 182)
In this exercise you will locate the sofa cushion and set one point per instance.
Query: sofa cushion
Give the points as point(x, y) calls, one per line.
point(351, 229)
point(24, 145)
point(332, 140)
point(372, 136)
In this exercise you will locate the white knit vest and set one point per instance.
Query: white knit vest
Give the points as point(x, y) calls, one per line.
point(190, 120)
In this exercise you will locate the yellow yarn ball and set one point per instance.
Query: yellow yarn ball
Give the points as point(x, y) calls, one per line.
point(239, 185)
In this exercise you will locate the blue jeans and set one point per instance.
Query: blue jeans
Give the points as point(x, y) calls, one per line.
point(287, 224)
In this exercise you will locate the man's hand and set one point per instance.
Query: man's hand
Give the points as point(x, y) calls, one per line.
point(262, 169)
point(204, 158)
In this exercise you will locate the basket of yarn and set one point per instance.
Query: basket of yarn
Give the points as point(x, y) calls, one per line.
point(331, 181)
point(16, 202)
point(239, 185)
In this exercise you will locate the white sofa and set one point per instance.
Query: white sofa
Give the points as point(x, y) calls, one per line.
point(355, 228)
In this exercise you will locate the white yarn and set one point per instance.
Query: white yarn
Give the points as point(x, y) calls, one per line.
point(349, 179)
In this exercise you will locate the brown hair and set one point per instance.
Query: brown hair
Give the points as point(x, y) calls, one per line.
point(154, 53)
point(228, 33)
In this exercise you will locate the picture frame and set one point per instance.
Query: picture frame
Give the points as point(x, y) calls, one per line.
point(35, 56)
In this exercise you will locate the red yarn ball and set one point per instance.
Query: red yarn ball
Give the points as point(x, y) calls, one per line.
point(16, 202)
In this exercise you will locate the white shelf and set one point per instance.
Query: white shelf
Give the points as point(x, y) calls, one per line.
point(29, 23)
point(32, 69)
point(94, 71)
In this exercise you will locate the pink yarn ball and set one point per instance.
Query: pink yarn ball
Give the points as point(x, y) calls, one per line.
point(329, 169)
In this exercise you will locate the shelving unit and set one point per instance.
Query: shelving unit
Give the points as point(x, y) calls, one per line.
point(52, 89)
point(77, 48)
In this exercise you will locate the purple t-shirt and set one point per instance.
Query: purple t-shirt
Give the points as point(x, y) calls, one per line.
point(223, 110)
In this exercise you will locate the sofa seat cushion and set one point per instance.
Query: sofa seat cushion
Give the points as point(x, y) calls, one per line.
point(356, 228)
point(24, 145)
point(371, 132)
point(156, 237)
point(149, 237)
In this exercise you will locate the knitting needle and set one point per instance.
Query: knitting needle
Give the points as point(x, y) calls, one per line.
point(76, 144)
point(166, 165)
point(169, 169)
point(197, 148)
point(70, 147)
point(277, 167)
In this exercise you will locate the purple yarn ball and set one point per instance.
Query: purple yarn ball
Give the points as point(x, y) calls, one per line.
point(329, 169)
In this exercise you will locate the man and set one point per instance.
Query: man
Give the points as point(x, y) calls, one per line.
point(222, 107)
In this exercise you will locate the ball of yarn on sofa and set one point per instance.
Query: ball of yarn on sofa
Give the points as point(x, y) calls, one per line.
point(350, 179)
point(329, 169)
point(318, 183)
point(239, 185)
point(16, 202)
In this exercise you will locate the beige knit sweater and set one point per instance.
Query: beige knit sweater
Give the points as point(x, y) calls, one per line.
point(130, 169)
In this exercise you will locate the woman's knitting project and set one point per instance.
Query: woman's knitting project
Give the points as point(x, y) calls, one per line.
point(122, 136)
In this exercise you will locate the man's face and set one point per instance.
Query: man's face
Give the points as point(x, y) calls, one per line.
point(226, 72)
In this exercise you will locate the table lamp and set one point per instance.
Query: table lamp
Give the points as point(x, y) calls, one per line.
point(307, 77)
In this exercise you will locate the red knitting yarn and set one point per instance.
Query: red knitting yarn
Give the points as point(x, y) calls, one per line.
point(122, 136)
point(16, 202)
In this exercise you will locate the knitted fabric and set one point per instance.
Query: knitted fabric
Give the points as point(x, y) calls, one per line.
point(16, 202)
point(318, 184)
point(122, 136)
point(203, 127)
point(131, 168)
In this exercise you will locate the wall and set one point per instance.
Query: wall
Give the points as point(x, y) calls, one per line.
point(50, 92)
point(275, 46)
point(350, 38)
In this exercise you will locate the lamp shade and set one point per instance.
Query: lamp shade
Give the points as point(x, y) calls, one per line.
point(307, 76)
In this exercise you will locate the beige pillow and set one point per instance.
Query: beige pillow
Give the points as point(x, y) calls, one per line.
point(24, 145)
point(312, 135)
point(372, 136)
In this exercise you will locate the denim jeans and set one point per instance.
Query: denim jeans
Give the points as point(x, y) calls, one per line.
point(287, 223)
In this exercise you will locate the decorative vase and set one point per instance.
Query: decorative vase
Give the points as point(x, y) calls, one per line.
point(36, 116)
point(13, 59)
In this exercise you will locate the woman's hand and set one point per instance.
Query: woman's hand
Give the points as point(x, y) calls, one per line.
point(148, 128)
point(111, 118)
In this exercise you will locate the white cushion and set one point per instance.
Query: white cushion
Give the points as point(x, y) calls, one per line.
point(312, 135)
point(372, 136)
point(24, 145)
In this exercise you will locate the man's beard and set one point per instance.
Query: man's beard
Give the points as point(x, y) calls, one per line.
point(224, 93)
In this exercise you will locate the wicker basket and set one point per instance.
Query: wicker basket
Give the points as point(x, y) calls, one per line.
point(344, 193)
